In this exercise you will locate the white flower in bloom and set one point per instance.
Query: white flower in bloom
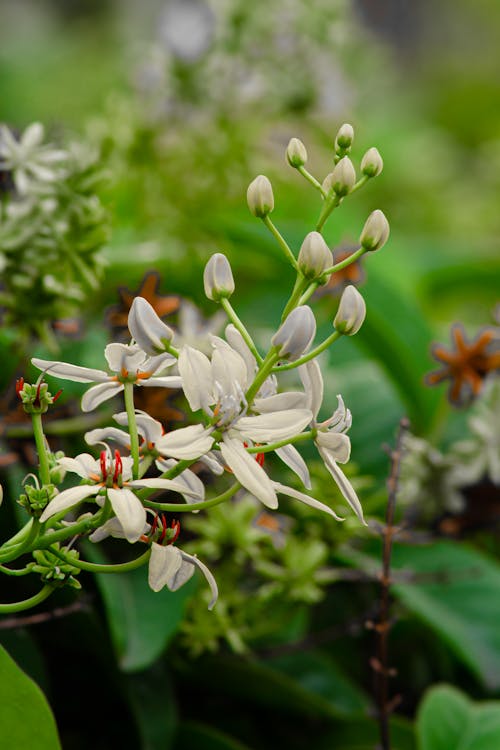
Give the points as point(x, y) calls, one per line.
point(128, 363)
point(111, 477)
point(171, 567)
point(331, 441)
point(28, 159)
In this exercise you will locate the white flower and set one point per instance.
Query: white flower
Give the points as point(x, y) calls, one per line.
point(128, 363)
point(171, 567)
point(27, 158)
point(146, 328)
point(112, 477)
point(331, 441)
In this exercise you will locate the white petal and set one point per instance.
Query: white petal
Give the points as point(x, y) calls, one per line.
point(248, 472)
point(343, 484)
point(186, 442)
point(112, 528)
point(281, 402)
point(150, 429)
point(124, 356)
point(71, 372)
point(336, 444)
point(311, 377)
point(84, 465)
point(213, 462)
point(187, 477)
point(164, 563)
point(291, 492)
point(68, 499)
point(130, 512)
point(146, 327)
point(292, 458)
point(158, 363)
point(174, 485)
point(102, 435)
point(32, 136)
point(196, 373)
point(181, 576)
point(278, 425)
point(238, 343)
point(167, 381)
point(228, 368)
point(193, 560)
point(100, 393)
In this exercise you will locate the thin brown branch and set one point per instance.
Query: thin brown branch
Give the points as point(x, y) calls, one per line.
point(26, 621)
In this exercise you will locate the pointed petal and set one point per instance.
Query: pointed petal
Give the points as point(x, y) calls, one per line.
point(336, 444)
point(248, 472)
point(228, 368)
point(281, 402)
point(343, 484)
point(181, 576)
point(292, 458)
point(147, 328)
point(158, 363)
point(164, 563)
point(311, 501)
point(167, 381)
point(278, 425)
point(193, 560)
point(311, 377)
point(84, 465)
point(104, 434)
point(112, 528)
point(68, 499)
point(196, 373)
point(174, 485)
point(32, 136)
point(130, 512)
point(186, 442)
point(150, 429)
point(124, 356)
point(71, 372)
point(213, 462)
point(100, 393)
point(238, 343)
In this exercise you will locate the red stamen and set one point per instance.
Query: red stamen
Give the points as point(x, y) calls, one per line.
point(118, 466)
point(163, 529)
point(57, 395)
point(104, 471)
point(154, 525)
point(19, 386)
point(36, 401)
point(260, 458)
point(175, 525)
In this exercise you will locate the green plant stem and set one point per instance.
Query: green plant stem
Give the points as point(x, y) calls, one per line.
point(80, 527)
point(309, 177)
point(264, 370)
point(301, 285)
point(189, 507)
point(280, 443)
point(15, 551)
point(235, 320)
point(41, 448)
point(27, 603)
point(132, 427)
point(346, 262)
point(310, 355)
point(12, 572)
point(329, 205)
point(362, 181)
point(100, 568)
point(281, 241)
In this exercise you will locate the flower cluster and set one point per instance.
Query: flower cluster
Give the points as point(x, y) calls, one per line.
point(244, 428)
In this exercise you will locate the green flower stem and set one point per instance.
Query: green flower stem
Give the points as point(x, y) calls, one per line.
point(281, 241)
point(132, 426)
point(171, 349)
point(13, 552)
point(280, 443)
point(310, 355)
point(6, 609)
point(264, 370)
point(170, 474)
point(346, 262)
point(19, 536)
point(309, 177)
point(309, 292)
point(328, 206)
point(362, 181)
point(41, 448)
point(145, 464)
point(233, 317)
point(189, 507)
point(100, 568)
point(80, 527)
point(12, 572)
point(301, 285)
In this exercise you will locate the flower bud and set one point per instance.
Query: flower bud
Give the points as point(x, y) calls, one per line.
point(315, 256)
point(147, 328)
point(344, 137)
point(260, 197)
point(372, 163)
point(343, 178)
point(218, 278)
point(375, 232)
point(296, 153)
point(296, 334)
point(351, 312)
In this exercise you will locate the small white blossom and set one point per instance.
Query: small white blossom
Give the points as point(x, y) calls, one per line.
point(28, 159)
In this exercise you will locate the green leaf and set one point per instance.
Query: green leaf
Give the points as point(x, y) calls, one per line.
point(365, 735)
point(26, 721)
point(317, 672)
point(448, 720)
point(153, 704)
point(194, 734)
point(141, 622)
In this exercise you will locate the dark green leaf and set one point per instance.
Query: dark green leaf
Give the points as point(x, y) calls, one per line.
point(153, 704)
point(195, 735)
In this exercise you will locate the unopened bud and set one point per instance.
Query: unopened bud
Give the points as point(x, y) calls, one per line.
point(315, 256)
point(218, 278)
point(351, 312)
point(344, 137)
point(260, 197)
point(375, 232)
point(343, 178)
point(296, 153)
point(1, 494)
point(372, 163)
point(295, 335)
point(147, 328)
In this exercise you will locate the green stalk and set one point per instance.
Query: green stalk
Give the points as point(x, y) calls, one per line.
point(100, 568)
point(6, 609)
point(132, 427)
point(302, 437)
point(189, 507)
point(328, 206)
point(310, 355)
point(346, 262)
point(235, 320)
point(314, 182)
point(281, 240)
point(264, 370)
point(301, 285)
point(12, 553)
point(41, 448)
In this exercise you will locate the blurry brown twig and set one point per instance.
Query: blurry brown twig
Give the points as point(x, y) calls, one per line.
point(10, 623)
